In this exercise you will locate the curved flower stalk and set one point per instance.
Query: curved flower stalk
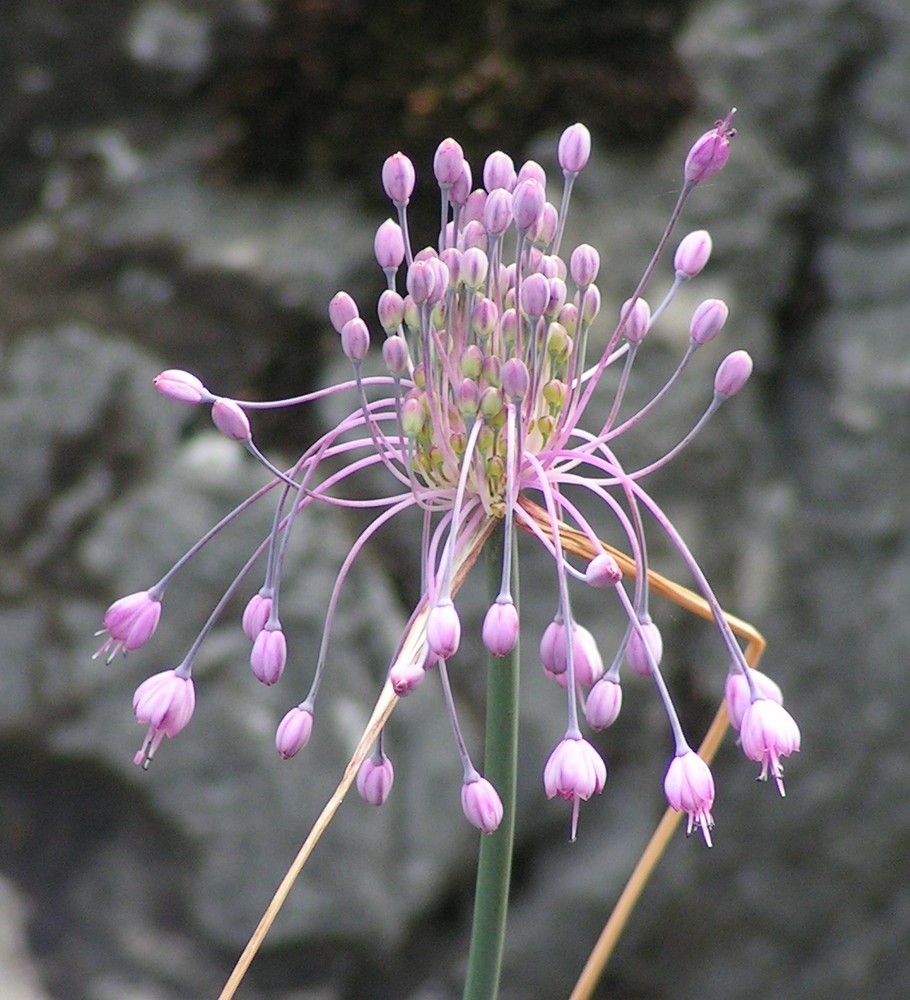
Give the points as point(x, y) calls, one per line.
point(479, 419)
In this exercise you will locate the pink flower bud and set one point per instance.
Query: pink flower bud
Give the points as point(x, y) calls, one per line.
point(574, 148)
point(708, 320)
point(390, 309)
point(451, 258)
point(604, 703)
point(355, 339)
point(603, 571)
point(637, 656)
point(689, 788)
point(398, 179)
point(405, 677)
point(584, 265)
point(256, 613)
point(587, 661)
point(395, 355)
point(461, 189)
point(733, 373)
point(420, 281)
point(182, 386)
point(590, 303)
point(231, 420)
point(498, 172)
point(637, 321)
point(710, 151)
point(692, 254)
point(535, 295)
point(389, 245)
point(294, 732)
point(342, 308)
point(500, 627)
point(447, 163)
point(374, 780)
point(269, 655)
point(516, 380)
point(553, 648)
point(129, 623)
point(165, 702)
point(769, 732)
point(497, 212)
point(474, 266)
point(413, 416)
point(544, 229)
point(481, 805)
point(738, 695)
point(473, 208)
point(443, 629)
point(527, 203)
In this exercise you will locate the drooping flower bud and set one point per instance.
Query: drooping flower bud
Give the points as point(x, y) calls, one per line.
point(256, 613)
point(443, 629)
point(638, 657)
point(603, 703)
point(406, 676)
point(294, 731)
point(269, 655)
point(500, 627)
point(603, 571)
point(374, 780)
point(481, 804)
point(231, 420)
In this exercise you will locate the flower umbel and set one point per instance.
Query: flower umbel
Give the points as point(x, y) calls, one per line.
point(478, 416)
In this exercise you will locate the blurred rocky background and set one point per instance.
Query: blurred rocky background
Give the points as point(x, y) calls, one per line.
point(185, 183)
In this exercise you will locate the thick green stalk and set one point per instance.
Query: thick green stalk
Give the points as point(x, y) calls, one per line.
point(494, 869)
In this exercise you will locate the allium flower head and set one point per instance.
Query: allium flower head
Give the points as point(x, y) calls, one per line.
point(477, 409)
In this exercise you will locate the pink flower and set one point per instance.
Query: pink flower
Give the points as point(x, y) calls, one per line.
point(639, 658)
point(738, 696)
point(406, 676)
point(710, 151)
point(481, 804)
point(769, 732)
point(165, 701)
point(256, 614)
point(374, 780)
point(574, 771)
point(129, 623)
point(182, 386)
point(689, 788)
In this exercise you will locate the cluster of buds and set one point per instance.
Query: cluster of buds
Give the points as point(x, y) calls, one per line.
point(477, 419)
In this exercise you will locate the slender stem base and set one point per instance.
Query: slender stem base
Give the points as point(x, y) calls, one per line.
point(494, 867)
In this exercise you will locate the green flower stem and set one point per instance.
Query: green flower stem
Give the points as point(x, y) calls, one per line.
point(494, 869)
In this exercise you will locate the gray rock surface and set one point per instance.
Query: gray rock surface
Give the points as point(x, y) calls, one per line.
point(127, 245)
